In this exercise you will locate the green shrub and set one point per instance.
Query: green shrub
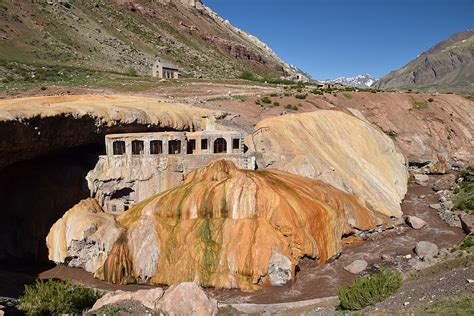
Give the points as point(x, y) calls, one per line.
point(266, 100)
point(467, 243)
point(247, 75)
point(371, 289)
point(56, 297)
point(300, 96)
point(276, 103)
point(392, 134)
point(291, 107)
point(420, 105)
point(430, 100)
point(464, 191)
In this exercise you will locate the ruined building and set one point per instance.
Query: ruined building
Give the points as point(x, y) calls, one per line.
point(140, 165)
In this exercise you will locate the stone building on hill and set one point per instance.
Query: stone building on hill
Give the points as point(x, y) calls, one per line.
point(165, 70)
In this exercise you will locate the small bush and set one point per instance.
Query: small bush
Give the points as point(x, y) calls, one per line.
point(56, 297)
point(467, 243)
point(247, 75)
point(276, 103)
point(300, 96)
point(266, 100)
point(464, 191)
point(392, 134)
point(430, 100)
point(371, 289)
point(291, 107)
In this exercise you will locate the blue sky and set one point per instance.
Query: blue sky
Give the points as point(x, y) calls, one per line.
point(329, 39)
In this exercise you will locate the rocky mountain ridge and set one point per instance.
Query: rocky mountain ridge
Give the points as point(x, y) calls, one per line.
point(128, 35)
point(447, 66)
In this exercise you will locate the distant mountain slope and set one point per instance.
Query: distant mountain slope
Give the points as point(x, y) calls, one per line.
point(360, 81)
point(127, 35)
point(447, 66)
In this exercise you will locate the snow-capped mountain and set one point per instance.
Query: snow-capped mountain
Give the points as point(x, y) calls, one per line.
point(360, 81)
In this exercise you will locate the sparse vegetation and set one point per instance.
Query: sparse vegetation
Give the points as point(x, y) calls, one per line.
point(276, 103)
point(53, 297)
point(430, 100)
point(265, 100)
point(291, 107)
point(300, 96)
point(392, 134)
point(455, 305)
point(371, 289)
point(467, 243)
point(464, 191)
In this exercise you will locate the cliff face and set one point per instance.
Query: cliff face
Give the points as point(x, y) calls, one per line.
point(336, 148)
point(123, 34)
point(224, 227)
point(447, 66)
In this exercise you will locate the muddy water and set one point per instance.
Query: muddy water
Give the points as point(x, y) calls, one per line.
point(313, 281)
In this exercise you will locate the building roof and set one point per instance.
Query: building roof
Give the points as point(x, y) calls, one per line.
point(168, 65)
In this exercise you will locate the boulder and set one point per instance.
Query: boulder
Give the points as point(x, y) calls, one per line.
point(279, 269)
point(446, 182)
point(436, 206)
point(467, 222)
point(148, 298)
point(356, 266)
point(421, 179)
point(426, 249)
point(187, 299)
point(336, 148)
point(415, 222)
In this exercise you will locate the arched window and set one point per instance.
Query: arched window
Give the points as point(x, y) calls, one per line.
point(220, 146)
point(137, 147)
point(118, 147)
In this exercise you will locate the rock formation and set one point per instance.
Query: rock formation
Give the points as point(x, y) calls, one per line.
point(32, 127)
point(224, 227)
point(336, 148)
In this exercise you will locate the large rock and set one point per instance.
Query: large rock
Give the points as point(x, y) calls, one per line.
point(467, 222)
point(426, 249)
point(148, 298)
point(187, 299)
point(339, 149)
point(356, 266)
point(446, 182)
point(231, 228)
point(421, 179)
point(415, 222)
point(182, 299)
point(83, 236)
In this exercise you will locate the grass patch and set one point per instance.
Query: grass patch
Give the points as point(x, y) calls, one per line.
point(371, 289)
point(464, 191)
point(420, 105)
point(56, 297)
point(467, 243)
point(455, 305)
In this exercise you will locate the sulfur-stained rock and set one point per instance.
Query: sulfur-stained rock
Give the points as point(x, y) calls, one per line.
point(83, 236)
point(339, 149)
point(232, 228)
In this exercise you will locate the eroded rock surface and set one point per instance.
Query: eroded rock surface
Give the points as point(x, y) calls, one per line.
point(339, 149)
point(223, 225)
point(83, 236)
